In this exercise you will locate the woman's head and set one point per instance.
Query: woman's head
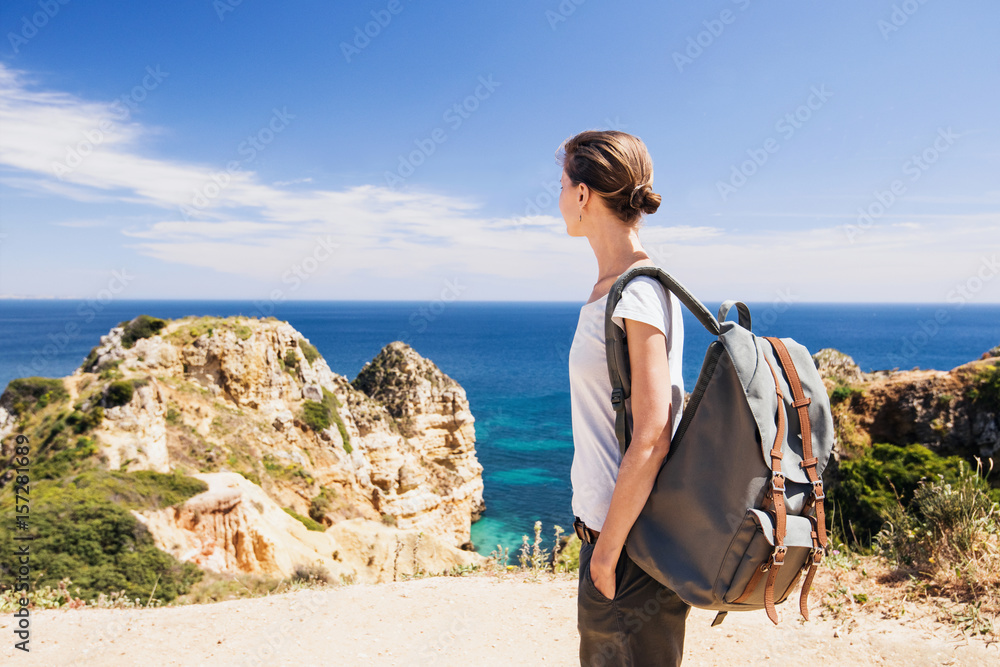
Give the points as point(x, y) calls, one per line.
point(616, 166)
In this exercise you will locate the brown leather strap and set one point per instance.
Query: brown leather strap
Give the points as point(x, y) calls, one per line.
point(772, 574)
point(587, 535)
point(807, 584)
point(809, 461)
point(752, 584)
point(778, 498)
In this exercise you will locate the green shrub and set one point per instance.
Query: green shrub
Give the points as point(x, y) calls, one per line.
point(306, 521)
point(141, 490)
point(173, 417)
point(24, 394)
point(291, 360)
point(84, 532)
point(321, 504)
point(118, 393)
point(85, 447)
point(330, 399)
point(886, 476)
point(111, 371)
point(309, 351)
point(85, 421)
point(943, 526)
point(316, 415)
point(568, 559)
point(843, 393)
point(250, 475)
point(90, 361)
point(141, 327)
point(987, 387)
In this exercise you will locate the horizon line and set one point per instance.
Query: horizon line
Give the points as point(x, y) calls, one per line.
point(10, 298)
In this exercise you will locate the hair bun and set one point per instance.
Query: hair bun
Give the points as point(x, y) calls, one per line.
point(638, 197)
point(643, 199)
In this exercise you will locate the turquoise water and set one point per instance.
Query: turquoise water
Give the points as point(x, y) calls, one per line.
point(511, 358)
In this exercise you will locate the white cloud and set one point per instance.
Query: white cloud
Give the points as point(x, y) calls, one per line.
point(263, 231)
point(292, 182)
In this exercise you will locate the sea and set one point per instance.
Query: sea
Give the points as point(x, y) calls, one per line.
point(511, 358)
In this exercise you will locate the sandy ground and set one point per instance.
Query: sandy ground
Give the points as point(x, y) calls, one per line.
point(443, 621)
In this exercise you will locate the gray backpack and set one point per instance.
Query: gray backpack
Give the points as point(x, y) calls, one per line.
point(735, 517)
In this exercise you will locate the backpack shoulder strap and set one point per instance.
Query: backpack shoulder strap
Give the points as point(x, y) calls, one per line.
point(617, 351)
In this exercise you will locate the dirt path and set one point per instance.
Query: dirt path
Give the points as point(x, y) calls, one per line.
point(443, 621)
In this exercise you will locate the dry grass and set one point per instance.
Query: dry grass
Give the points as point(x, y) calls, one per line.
point(851, 587)
point(938, 557)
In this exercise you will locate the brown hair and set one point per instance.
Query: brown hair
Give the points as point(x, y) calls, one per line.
point(616, 166)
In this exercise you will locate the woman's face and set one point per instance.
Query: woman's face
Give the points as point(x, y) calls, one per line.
point(569, 205)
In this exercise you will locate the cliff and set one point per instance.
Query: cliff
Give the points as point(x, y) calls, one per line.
point(952, 412)
point(384, 474)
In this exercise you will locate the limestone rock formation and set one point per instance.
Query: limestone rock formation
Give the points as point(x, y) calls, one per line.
point(214, 396)
point(235, 527)
point(835, 366)
point(433, 414)
point(956, 411)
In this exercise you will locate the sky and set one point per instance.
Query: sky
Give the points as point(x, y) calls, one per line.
point(405, 149)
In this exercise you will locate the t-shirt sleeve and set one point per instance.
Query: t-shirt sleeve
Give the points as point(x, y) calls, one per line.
point(644, 300)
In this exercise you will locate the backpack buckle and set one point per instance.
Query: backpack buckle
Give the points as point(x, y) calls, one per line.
point(818, 490)
point(618, 399)
point(777, 483)
point(778, 556)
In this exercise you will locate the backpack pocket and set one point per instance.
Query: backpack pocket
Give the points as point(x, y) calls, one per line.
point(743, 576)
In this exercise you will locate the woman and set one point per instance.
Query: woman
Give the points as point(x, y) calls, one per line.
point(625, 617)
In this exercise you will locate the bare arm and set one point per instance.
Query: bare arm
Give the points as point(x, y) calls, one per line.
point(652, 418)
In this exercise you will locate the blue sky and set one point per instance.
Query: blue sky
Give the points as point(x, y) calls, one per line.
point(242, 149)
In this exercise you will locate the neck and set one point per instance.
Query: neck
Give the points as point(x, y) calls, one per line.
point(616, 246)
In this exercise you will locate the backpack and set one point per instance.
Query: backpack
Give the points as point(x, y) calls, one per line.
point(735, 517)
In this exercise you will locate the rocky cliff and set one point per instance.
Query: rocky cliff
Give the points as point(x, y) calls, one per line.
point(954, 412)
point(377, 469)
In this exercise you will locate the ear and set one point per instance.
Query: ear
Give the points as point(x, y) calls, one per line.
point(583, 194)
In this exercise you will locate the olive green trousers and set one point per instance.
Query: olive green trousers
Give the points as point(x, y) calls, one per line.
point(643, 626)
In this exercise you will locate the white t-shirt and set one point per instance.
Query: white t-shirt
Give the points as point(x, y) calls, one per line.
point(596, 456)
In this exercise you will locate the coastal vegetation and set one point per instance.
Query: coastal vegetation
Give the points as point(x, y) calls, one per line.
point(873, 485)
point(78, 534)
point(910, 521)
point(320, 415)
point(80, 515)
point(309, 351)
point(193, 328)
point(141, 327)
point(25, 394)
point(308, 522)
